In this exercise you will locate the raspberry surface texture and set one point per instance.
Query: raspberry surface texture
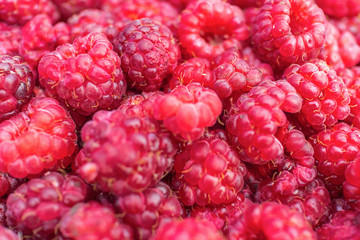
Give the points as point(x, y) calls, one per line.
point(10, 36)
point(339, 9)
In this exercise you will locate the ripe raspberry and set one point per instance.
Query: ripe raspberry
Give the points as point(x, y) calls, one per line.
point(270, 221)
point(93, 221)
point(289, 31)
point(36, 138)
point(266, 70)
point(10, 36)
point(344, 225)
point(247, 3)
point(339, 9)
point(148, 53)
point(124, 153)
point(351, 24)
point(21, 11)
point(188, 229)
point(7, 234)
point(8, 184)
point(255, 117)
point(208, 171)
point(209, 27)
point(351, 187)
point(37, 206)
point(16, 85)
point(349, 49)
point(188, 110)
point(145, 211)
point(326, 98)
point(85, 75)
point(70, 7)
point(94, 20)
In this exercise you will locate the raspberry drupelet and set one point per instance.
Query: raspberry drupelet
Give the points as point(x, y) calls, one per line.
point(290, 31)
point(149, 53)
point(339, 9)
point(16, 85)
point(36, 138)
point(85, 75)
point(351, 187)
point(124, 153)
point(10, 36)
point(209, 27)
point(36, 207)
point(140, 105)
point(93, 221)
point(7, 234)
point(187, 110)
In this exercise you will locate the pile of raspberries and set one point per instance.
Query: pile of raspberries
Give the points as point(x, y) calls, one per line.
point(180, 120)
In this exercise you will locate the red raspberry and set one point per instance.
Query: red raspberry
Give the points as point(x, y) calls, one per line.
point(37, 206)
point(256, 115)
point(351, 187)
point(21, 11)
point(16, 85)
point(145, 159)
point(345, 8)
point(209, 27)
point(344, 225)
point(94, 20)
point(145, 211)
point(93, 221)
point(148, 53)
point(247, 3)
point(7, 234)
point(8, 184)
point(39, 37)
point(85, 75)
point(270, 221)
point(288, 31)
point(10, 36)
point(188, 229)
point(266, 70)
point(70, 7)
point(326, 98)
point(351, 24)
point(349, 49)
point(36, 139)
point(208, 171)
point(188, 110)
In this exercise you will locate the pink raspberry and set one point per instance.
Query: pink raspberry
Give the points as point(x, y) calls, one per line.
point(339, 9)
point(188, 110)
point(351, 187)
point(10, 36)
point(7, 234)
point(70, 7)
point(36, 139)
point(208, 28)
point(286, 32)
point(37, 206)
point(85, 75)
point(148, 53)
point(93, 221)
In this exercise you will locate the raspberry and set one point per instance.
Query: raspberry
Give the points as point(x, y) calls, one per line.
point(209, 27)
point(93, 221)
point(349, 49)
point(188, 229)
point(124, 153)
point(286, 32)
point(16, 85)
point(255, 117)
point(7, 234)
point(21, 11)
point(85, 75)
point(148, 53)
point(37, 206)
point(69, 7)
point(208, 171)
point(36, 139)
point(188, 110)
point(247, 3)
point(339, 9)
point(266, 70)
point(94, 20)
point(8, 184)
point(145, 211)
point(351, 187)
point(326, 98)
point(351, 24)
point(342, 226)
point(39, 37)
point(10, 36)
point(270, 221)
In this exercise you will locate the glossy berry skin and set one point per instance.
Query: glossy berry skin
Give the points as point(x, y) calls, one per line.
point(85, 75)
point(256, 116)
point(145, 211)
point(37, 206)
point(339, 9)
point(187, 229)
point(351, 186)
point(7, 234)
point(67, 8)
point(124, 153)
point(290, 31)
point(10, 36)
point(187, 110)
point(326, 97)
point(208, 28)
point(208, 172)
point(93, 221)
point(269, 221)
point(148, 53)
point(16, 85)
point(36, 138)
